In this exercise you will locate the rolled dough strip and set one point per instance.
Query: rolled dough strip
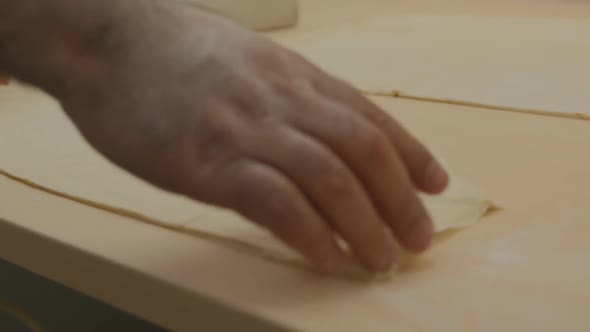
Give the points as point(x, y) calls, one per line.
point(538, 66)
point(41, 148)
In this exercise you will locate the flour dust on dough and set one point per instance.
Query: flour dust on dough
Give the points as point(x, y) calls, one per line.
point(41, 147)
point(532, 65)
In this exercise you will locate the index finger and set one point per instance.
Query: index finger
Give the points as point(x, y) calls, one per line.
point(425, 171)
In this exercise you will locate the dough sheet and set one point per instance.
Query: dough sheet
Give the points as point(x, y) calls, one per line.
point(529, 65)
point(42, 148)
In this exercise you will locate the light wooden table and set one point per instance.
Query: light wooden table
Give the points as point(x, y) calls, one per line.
point(520, 269)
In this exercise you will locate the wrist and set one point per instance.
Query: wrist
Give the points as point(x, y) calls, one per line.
point(53, 44)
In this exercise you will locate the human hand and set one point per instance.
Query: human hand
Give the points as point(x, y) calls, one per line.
point(199, 106)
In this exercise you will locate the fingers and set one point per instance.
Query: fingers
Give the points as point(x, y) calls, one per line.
point(267, 197)
point(335, 192)
point(371, 156)
point(327, 161)
point(426, 173)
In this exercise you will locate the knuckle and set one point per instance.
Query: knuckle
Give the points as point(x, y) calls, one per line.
point(378, 115)
point(216, 134)
point(210, 183)
point(250, 104)
point(265, 55)
point(335, 184)
point(282, 73)
point(326, 175)
point(375, 144)
point(265, 200)
point(290, 87)
point(278, 202)
point(214, 121)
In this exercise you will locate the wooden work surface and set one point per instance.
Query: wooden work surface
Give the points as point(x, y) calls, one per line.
point(520, 269)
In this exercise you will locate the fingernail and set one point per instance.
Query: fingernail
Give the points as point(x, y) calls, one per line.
point(436, 176)
point(387, 255)
point(386, 261)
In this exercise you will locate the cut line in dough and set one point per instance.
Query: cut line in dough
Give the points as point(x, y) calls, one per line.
point(232, 242)
point(537, 66)
point(354, 270)
point(402, 95)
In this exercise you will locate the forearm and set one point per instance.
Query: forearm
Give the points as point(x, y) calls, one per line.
point(43, 42)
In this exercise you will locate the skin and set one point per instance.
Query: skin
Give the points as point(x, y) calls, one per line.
point(197, 105)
